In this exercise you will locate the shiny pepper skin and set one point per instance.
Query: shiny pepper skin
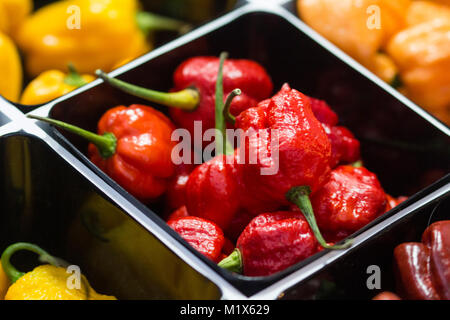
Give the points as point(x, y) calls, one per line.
point(275, 241)
point(48, 282)
point(201, 72)
point(423, 269)
point(205, 236)
point(218, 189)
point(350, 199)
point(142, 163)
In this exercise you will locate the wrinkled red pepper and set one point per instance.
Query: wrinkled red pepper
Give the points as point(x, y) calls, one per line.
point(219, 189)
point(205, 236)
point(423, 269)
point(133, 146)
point(271, 243)
point(193, 96)
point(351, 198)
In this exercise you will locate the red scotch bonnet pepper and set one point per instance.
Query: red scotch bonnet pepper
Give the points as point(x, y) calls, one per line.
point(133, 146)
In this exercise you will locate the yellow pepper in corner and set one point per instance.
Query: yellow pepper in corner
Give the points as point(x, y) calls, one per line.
point(45, 282)
point(12, 14)
point(52, 84)
point(11, 69)
point(91, 34)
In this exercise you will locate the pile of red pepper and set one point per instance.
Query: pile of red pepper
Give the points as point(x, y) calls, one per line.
point(248, 222)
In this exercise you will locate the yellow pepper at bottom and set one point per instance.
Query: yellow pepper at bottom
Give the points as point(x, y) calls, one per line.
point(46, 282)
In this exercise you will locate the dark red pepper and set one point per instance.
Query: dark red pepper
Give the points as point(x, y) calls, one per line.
point(205, 236)
point(423, 269)
point(193, 96)
point(179, 213)
point(345, 148)
point(271, 243)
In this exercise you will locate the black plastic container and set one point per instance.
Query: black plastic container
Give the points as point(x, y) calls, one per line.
point(404, 145)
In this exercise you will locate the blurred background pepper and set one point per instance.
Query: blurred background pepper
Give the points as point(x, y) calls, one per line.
point(405, 42)
point(11, 77)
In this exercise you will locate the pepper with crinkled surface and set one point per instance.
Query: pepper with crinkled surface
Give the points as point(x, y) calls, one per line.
point(205, 236)
point(192, 97)
point(351, 198)
point(90, 34)
point(423, 269)
point(45, 282)
point(224, 186)
point(271, 243)
point(133, 146)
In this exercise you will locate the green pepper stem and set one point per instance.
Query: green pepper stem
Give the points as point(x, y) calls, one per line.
point(233, 262)
point(106, 143)
point(300, 197)
point(73, 78)
point(12, 273)
point(226, 110)
point(148, 22)
point(223, 146)
point(187, 99)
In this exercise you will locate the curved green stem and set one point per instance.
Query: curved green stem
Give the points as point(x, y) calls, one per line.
point(149, 22)
point(223, 146)
point(187, 99)
point(12, 273)
point(300, 197)
point(73, 78)
point(106, 143)
point(226, 110)
point(233, 262)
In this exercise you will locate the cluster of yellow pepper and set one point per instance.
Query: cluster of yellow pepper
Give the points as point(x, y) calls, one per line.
point(87, 34)
point(411, 42)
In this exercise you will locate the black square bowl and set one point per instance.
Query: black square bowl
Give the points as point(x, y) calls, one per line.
point(406, 147)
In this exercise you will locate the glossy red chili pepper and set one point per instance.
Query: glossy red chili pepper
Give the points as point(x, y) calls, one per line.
point(413, 273)
point(133, 146)
point(193, 96)
point(205, 236)
point(351, 198)
point(271, 243)
point(323, 112)
point(393, 202)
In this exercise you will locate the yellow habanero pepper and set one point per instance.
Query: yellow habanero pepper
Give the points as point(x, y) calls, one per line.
point(91, 34)
point(45, 282)
point(11, 69)
point(361, 28)
point(52, 84)
point(12, 14)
